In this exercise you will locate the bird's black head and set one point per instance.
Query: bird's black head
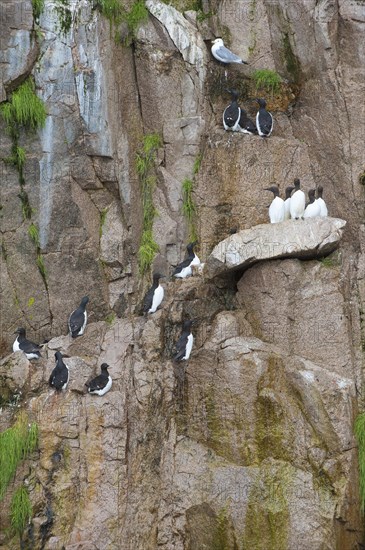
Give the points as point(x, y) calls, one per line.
point(311, 195)
point(58, 355)
point(274, 189)
point(104, 367)
point(288, 191)
point(191, 246)
point(319, 191)
point(297, 183)
point(188, 323)
point(261, 102)
point(234, 93)
point(84, 301)
point(157, 276)
point(20, 331)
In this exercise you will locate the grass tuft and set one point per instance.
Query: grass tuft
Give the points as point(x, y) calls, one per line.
point(359, 430)
point(20, 510)
point(38, 7)
point(189, 207)
point(145, 160)
point(24, 109)
point(16, 443)
point(267, 79)
point(197, 163)
point(34, 234)
point(115, 12)
point(42, 267)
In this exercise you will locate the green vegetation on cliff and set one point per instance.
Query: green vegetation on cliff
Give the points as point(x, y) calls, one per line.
point(38, 7)
point(145, 162)
point(116, 13)
point(267, 79)
point(20, 510)
point(16, 443)
point(359, 430)
point(23, 111)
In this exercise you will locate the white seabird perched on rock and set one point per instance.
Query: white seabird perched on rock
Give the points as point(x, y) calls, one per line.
point(313, 209)
point(78, 319)
point(297, 201)
point(183, 269)
point(223, 54)
point(60, 375)
point(264, 119)
point(102, 383)
point(31, 350)
point(321, 202)
point(276, 209)
point(154, 295)
point(184, 344)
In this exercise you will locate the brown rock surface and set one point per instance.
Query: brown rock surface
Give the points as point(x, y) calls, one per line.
point(251, 448)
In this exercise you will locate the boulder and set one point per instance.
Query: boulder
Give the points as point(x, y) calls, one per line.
point(305, 239)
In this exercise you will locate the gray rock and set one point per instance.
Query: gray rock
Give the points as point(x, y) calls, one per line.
point(305, 239)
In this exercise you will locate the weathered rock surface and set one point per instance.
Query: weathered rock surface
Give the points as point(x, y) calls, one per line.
point(252, 447)
point(304, 239)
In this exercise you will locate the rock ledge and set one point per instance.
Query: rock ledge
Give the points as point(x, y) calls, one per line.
point(304, 239)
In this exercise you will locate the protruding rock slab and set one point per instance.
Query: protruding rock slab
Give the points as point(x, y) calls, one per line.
point(305, 239)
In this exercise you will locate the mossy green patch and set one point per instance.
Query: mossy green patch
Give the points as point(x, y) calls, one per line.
point(291, 61)
point(20, 510)
point(189, 208)
point(274, 432)
point(267, 515)
point(16, 443)
point(116, 13)
point(145, 162)
point(362, 178)
point(359, 430)
point(37, 7)
point(64, 15)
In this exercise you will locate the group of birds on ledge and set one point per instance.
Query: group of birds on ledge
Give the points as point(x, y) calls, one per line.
point(235, 118)
point(77, 321)
point(294, 206)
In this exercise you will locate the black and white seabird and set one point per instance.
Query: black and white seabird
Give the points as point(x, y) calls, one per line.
point(276, 209)
point(264, 119)
point(184, 268)
point(246, 125)
point(184, 344)
point(232, 113)
point(223, 54)
point(288, 192)
point(321, 202)
point(102, 383)
point(60, 375)
point(313, 209)
point(154, 296)
point(78, 319)
point(297, 202)
point(31, 350)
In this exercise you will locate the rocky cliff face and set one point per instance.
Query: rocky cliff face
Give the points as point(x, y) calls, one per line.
point(251, 446)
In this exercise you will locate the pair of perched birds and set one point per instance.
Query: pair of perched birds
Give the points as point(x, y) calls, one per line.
point(155, 294)
point(76, 324)
point(294, 207)
point(235, 118)
point(60, 375)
